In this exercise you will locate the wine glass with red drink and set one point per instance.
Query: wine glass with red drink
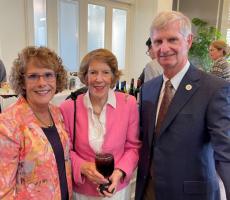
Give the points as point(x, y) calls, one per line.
point(105, 166)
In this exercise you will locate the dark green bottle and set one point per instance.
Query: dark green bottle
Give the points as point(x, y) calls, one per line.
point(132, 89)
point(137, 92)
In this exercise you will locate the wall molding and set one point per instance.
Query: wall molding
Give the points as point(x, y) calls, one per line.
point(125, 1)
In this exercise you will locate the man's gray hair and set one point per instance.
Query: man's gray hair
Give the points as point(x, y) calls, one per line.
point(166, 17)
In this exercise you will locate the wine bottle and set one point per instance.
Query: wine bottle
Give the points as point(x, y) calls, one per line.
point(123, 86)
point(137, 92)
point(132, 89)
point(117, 88)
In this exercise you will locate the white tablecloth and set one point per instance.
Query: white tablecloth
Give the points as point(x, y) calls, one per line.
point(60, 97)
point(57, 100)
point(5, 102)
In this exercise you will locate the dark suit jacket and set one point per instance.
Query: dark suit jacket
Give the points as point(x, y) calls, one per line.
point(194, 139)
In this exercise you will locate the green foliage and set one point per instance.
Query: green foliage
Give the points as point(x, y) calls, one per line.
point(205, 34)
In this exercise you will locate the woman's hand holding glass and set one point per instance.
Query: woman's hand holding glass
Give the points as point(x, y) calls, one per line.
point(115, 178)
point(89, 170)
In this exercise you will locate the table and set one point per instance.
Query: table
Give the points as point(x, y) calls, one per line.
point(6, 99)
point(60, 97)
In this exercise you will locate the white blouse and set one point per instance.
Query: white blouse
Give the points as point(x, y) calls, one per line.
point(97, 124)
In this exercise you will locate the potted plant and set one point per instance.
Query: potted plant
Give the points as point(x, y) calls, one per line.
point(205, 34)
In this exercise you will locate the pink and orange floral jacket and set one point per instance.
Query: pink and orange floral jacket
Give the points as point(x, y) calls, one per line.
point(28, 167)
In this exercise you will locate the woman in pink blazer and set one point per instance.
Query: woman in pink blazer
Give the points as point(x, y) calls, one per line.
point(106, 122)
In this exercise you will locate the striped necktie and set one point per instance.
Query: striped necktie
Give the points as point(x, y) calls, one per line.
point(166, 100)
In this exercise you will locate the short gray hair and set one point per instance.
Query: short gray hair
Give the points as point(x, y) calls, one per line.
point(166, 17)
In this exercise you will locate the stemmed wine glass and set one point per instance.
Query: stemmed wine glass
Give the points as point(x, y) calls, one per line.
point(105, 166)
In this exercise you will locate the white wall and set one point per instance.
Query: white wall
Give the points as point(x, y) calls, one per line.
point(13, 30)
point(164, 5)
point(144, 12)
point(225, 24)
point(17, 30)
point(52, 24)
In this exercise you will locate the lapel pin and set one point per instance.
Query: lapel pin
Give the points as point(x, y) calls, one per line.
point(188, 87)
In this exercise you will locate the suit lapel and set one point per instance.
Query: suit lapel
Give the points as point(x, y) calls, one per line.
point(188, 86)
point(154, 92)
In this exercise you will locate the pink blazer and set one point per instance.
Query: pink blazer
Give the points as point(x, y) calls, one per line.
point(121, 139)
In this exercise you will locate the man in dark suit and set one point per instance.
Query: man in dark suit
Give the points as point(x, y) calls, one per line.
point(183, 149)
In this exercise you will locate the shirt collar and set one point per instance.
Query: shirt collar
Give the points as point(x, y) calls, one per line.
point(178, 77)
point(111, 99)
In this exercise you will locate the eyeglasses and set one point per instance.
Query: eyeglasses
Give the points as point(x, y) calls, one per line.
point(48, 76)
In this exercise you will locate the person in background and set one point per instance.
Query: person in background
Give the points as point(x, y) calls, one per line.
point(2, 72)
point(184, 120)
point(34, 146)
point(2, 77)
point(218, 51)
point(152, 69)
point(106, 122)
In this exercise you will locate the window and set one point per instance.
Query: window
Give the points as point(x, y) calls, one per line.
point(226, 21)
point(96, 26)
point(85, 25)
point(69, 34)
point(40, 27)
point(119, 35)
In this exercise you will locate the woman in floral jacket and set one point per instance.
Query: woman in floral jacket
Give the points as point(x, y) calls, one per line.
point(34, 146)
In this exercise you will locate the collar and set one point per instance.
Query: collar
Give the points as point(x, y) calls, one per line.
point(178, 77)
point(110, 101)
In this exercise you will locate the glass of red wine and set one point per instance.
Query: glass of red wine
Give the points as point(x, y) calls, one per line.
point(105, 166)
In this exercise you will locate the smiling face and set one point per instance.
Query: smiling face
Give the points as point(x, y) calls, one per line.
point(99, 79)
point(39, 91)
point(171, 48)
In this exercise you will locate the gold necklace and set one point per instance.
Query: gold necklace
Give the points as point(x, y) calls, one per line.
point(43, 123)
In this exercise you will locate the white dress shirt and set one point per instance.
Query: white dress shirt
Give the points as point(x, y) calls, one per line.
point(175, 82)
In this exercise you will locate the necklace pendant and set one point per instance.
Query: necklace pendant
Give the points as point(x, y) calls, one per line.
point(50, 125)
point(45, 125)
